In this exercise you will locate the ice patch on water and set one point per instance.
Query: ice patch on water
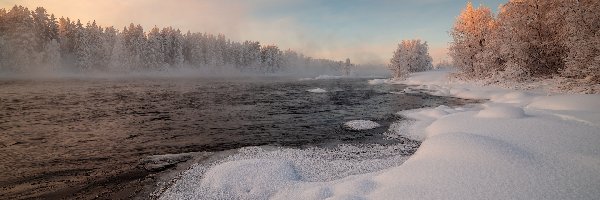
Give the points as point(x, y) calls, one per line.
point(317, 90)
point(378, 81)
point(361, 125)
point(323, 77)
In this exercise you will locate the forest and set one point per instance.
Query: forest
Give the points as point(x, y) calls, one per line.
point(529, 40)
point(35, 41)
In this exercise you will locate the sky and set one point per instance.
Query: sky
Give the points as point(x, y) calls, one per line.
point(366, 31)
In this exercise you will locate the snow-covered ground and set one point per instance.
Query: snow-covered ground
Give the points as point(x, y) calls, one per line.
point(518, 145)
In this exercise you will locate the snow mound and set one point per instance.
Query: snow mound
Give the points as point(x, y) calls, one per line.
point(501, 111)
point(419, 120)
point(512, 97)
point(361, 125)
point(567, 102)
point(249, 179)
point(434, 113)
point(317, 90)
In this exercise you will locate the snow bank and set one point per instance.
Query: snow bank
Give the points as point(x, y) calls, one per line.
point(500, 111)
point(568, 102)
point(361, 125)
point(317, 90)
point(519, 145)
point(260, 173)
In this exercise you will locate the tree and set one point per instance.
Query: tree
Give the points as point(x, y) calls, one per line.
point(582, 40)
point(21, 45)
point(271, 58)
point(172, 42)
point(347, 68)
point(134, 44)
point(469, 34)
point(410, 56)
point(156, 54)
point(529, 37)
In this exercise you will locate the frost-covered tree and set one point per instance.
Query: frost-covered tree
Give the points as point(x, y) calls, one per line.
point(155, 58)
point(410, 56)
point(528, 40)
point(469, 34)
point(347, 68)
point(109, 38)
point(271, 58)
point(172, 42)
point(21, 46)
point(529, 37)
point(134, 44)
point(250, 55)
point(92, 48)
point(581, 35)
point(51, 56)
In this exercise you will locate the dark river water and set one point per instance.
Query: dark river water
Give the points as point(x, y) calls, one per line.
point(71, 136)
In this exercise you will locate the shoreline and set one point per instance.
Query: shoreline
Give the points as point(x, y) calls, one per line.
point(519, 144)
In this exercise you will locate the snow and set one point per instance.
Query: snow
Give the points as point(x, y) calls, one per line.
point(261, 172)
point(323, 77)
point(234, 177)
point(500, 111)
point(361, 125)
point(378, 81)
point(518, 145)
point(317, 90)
point(568, 102)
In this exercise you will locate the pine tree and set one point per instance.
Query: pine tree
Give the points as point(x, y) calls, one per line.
point(21, 48)
point(156, 55)
point(271, 59)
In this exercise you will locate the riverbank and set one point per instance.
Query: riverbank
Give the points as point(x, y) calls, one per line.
point(517, 145)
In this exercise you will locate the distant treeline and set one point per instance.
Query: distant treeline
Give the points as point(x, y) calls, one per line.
point(37, 41)
point(528, 40)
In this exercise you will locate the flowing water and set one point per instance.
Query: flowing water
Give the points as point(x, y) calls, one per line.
point(79, 137)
